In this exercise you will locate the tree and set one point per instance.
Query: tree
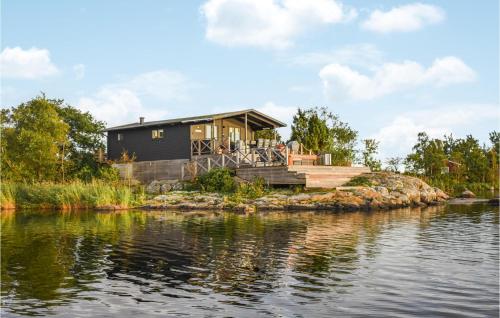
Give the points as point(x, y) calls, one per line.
point(57, 136)
point(428, 157)
point(368, 155)
point(268, 134)
point(322, 132)
point(33, 136)
point(393, 164)
point(85, 139)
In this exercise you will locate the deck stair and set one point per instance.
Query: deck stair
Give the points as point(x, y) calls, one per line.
point(308, 175)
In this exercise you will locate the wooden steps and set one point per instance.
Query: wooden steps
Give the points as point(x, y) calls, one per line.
point(310, 176)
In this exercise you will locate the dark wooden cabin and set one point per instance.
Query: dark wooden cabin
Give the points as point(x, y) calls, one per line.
point(183, 138)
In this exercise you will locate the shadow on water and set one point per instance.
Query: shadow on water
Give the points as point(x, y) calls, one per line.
point(437, 261)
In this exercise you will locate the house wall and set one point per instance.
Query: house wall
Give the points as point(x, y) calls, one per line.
point(147, 171)
point(174, 145)
point(198, 130)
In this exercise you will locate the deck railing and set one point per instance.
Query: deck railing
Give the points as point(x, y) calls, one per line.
point(208, 154)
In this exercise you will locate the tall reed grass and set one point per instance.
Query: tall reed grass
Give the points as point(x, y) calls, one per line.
point(69, 196)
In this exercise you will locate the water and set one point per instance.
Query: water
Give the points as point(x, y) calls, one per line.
point(441, 261)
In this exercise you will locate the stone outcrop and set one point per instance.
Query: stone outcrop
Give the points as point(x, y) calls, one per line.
point(386, 191)
point(467, 194)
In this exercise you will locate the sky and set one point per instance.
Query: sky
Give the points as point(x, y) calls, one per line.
point(389, 68)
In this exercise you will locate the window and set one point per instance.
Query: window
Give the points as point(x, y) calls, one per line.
point(234, 134)
point(157, 134)
point(210, 133)
point(120, 137)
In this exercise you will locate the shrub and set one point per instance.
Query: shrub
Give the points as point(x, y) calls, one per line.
point(108, 173)
point(359, 181)
point(217, 180)
point(252, 190)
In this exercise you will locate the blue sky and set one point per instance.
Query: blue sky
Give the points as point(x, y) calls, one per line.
point(389, 68)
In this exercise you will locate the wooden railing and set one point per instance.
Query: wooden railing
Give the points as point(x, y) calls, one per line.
point(255, 157)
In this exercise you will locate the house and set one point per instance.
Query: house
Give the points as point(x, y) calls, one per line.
point(183, 138)
point(185, 147)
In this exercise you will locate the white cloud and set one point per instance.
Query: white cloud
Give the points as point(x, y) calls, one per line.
point(26, 64)
point(364, 55)
point(340, 81)
point(122, 102)
point(282, 113)
point(79, 70)
point(398, 137)
point(162, 84)
point(410, 17)
point(268, 23)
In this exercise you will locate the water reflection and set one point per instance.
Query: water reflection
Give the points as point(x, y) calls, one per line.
point(438, 261)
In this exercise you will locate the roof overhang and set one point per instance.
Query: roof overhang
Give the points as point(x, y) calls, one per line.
point(253, 117)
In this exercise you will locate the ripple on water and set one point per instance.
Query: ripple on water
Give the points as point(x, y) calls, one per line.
point(423, 263)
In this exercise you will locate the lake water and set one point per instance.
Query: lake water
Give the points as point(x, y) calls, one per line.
point(440, 261)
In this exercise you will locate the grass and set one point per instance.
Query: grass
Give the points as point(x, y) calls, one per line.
point(359, 181)
point(69, 196)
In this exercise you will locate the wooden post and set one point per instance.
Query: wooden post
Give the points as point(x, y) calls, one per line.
point(199, 147)
point(212, 134)
point(253, 157)
point(246, 129)
point(209, 165)
point(286, 156)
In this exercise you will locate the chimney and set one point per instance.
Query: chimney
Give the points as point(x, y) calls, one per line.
point(141, 120)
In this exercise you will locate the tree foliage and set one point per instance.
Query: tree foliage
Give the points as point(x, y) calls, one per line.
point(322, 132)
point(368, 155)
point(268, 134)
point(455, 160)
point(47, 140)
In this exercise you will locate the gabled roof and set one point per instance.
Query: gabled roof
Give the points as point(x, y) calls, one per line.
point(254, 118)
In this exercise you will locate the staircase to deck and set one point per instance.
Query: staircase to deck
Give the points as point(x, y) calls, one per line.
point(310, 176)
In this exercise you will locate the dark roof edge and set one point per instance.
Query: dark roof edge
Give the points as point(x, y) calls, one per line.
point(194, 119)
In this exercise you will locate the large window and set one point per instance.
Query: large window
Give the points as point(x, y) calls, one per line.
point(211, 133)
point(234, 133)
point(157, 133)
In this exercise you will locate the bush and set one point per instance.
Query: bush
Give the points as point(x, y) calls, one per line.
point(108, 173)
point(359, 181)
point(252, 190)
point(217, 180)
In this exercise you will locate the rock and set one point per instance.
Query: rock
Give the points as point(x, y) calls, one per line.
point(165, 188)
point(160, 198)
point(382, 190)
point(494, 201)
point(467, 194)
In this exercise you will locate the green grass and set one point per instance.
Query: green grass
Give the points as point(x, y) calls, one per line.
point(69, 196)
point(359, 181)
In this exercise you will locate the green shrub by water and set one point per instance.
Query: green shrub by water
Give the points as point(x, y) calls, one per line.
point(217, 180)
point(74, 195)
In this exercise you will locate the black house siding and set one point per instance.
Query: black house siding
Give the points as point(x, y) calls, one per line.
point(174, 145)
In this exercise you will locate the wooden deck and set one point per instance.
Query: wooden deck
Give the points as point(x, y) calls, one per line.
point(309, 176)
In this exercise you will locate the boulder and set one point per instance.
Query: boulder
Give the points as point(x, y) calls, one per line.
point(467, 194)
point(163, 186)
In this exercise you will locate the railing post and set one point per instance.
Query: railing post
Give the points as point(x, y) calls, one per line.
point(223, 160)
point(199, 147)
point(252, 157)
point(237, 160)
point(209, 165)
point(286, 156)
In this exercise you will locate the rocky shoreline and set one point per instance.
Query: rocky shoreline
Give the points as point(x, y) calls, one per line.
point(380, 191)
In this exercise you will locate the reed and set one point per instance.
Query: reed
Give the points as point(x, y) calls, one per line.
point(69, 196)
